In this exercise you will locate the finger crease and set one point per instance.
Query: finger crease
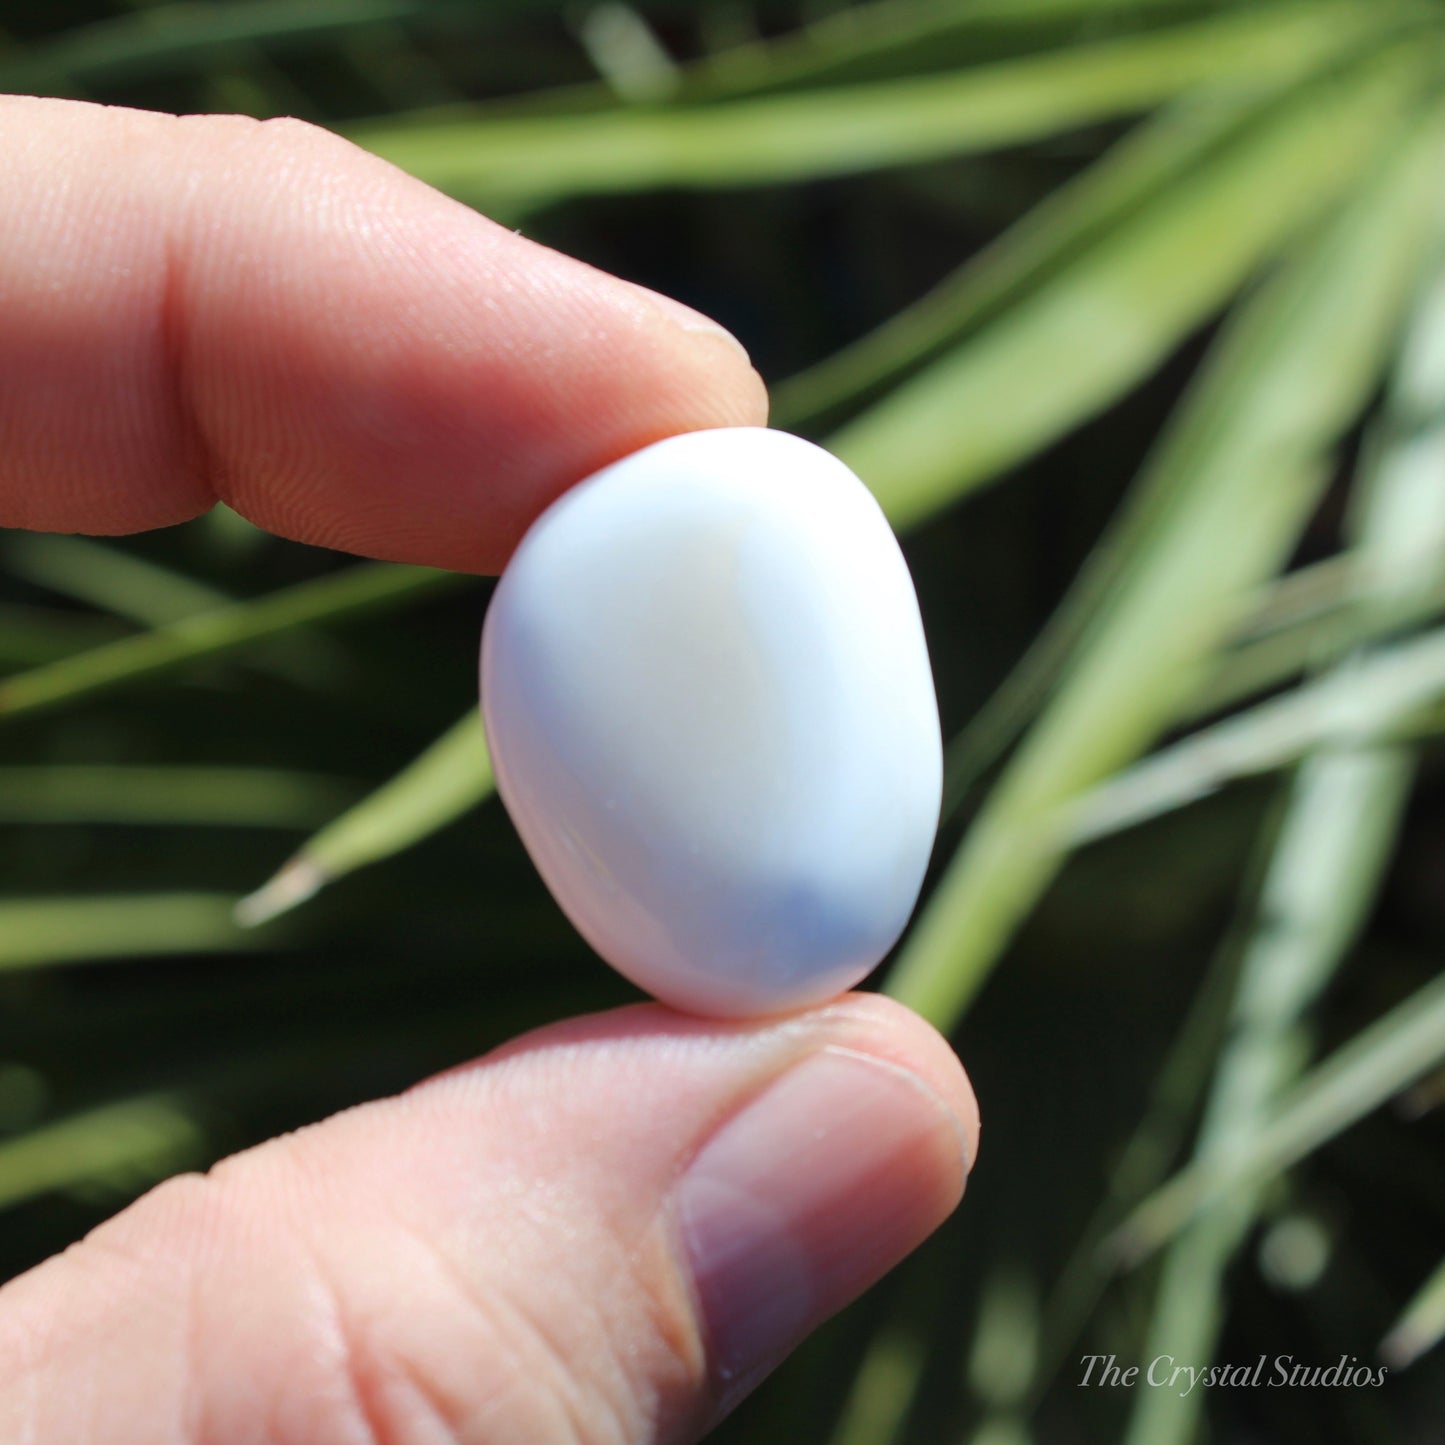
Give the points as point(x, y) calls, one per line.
point(364, 1374)
point(200, 457)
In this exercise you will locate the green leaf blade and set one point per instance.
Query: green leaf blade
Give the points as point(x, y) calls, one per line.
point(365, 588)
point(447, 780)
point(44, 932)
point(1077, 343)
point(1244, 466)
point(786, 137)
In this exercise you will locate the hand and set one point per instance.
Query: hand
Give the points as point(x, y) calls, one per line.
point(610, 1229)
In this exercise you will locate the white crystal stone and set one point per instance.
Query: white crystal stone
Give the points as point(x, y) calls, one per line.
point(710, 711)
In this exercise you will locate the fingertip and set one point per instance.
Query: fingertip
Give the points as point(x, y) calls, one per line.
point(492, 374)
point(896, 1034)
point(749, 393)
point(843, 1163)
point(629, 1217)
point(265, 313)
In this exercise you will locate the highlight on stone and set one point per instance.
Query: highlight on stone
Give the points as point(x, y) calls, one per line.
point(710, 711)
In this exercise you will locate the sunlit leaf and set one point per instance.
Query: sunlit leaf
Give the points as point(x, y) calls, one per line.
point(109, 578)
point(150, 1135)
point(36, 932)
point(1357, 1078)
point(855, 128)
point(1421, 1327)
point(118, 581)
point(359, 590)
point(1312, 617)
point(1051, 238)
point(1075, 344)
point(1379, 698)
point(1310, 641)
point(449, 779)
point(165, 36)
point(1100, 320)
point(1242, 469)
point(1326, 866)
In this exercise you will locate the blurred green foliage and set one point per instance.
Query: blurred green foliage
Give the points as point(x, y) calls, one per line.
point(1167, 277)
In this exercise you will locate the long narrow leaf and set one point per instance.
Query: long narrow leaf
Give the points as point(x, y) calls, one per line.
point(859, 128)
point(450, 778)
point(369, 587)
point(165, 37)
point(1310, 642)
point(903, 36)
point(174, 37)
point(30, 636)
point(1422, 1325)
point(133, 587)
point(1328, 864)
point(1404, 1045)
point(1325, 871)
point(1159, 152)
point(109, 578)
point(45, 931)
point(1379, 698)
point(1042, 367)
point(884, 1388)
point(1140, 1167)
point(1312, 617)
point(1073, 346)
point(1246, 459)
point(150, 1135)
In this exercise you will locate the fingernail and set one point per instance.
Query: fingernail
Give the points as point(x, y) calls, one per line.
point(694, 321)
point(821, 1184)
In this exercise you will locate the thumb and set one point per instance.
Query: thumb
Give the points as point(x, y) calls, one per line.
point(609, 1230)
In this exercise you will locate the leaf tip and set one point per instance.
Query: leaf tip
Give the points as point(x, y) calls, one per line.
point(298, 881)
point(1405, 1344)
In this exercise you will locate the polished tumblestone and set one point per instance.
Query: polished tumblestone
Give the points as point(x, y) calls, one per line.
point(711, 715)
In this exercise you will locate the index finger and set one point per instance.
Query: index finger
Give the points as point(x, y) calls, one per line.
point(212, 307)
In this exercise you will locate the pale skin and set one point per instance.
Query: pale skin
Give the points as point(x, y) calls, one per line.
point(214, 308)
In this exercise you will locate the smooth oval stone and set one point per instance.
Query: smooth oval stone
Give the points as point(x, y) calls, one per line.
point(712, 720)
